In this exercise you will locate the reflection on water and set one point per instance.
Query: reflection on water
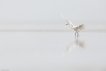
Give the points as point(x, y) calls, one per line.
point(79, 42)
point(76, 43)
point(38, 51)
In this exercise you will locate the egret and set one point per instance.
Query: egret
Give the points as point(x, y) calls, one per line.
point(75, 28)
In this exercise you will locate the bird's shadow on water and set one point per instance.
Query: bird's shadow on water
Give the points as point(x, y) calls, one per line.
point(76, 43)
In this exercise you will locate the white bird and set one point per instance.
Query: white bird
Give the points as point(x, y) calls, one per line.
point(76, 28)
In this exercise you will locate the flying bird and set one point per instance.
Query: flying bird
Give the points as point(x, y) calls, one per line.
point(75, 28)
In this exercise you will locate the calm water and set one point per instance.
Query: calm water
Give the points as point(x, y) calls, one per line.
point(52, 51)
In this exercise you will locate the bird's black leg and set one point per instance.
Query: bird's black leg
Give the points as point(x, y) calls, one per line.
point(76, 35)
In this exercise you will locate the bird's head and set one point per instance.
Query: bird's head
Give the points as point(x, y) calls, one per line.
point(67, 23)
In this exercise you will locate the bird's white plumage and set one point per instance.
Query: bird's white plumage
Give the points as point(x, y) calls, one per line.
point(76, 28)
point(68, 22)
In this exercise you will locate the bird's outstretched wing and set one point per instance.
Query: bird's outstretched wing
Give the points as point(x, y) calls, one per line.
point(65, 19)
point(68, 22)
point(81, 26)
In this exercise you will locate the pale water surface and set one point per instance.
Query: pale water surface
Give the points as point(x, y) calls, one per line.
point(52, 51)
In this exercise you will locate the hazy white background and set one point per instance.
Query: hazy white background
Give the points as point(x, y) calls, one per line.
point(39, 51)
point(49, 11)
